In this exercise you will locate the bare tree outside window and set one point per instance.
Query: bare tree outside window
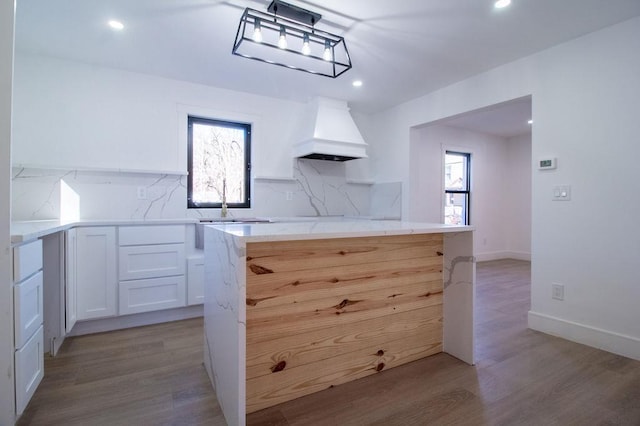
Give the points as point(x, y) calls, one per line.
point(219, 163)
point(457, 187)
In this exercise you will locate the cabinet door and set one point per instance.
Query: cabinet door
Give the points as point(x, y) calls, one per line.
point(195, 280)
point(27, 308)
point(71, 279)
point(29, 364)
point(96, 280)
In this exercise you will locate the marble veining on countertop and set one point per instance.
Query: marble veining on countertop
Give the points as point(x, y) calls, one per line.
point(281, 231)
point(22, 231)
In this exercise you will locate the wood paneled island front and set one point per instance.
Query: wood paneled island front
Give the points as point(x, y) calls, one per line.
point(295, 308)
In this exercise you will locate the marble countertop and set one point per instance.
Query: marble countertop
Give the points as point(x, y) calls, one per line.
point(283, 231)
point(22, 231)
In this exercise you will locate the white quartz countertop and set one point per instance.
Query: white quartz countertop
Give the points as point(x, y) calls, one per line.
point(22, 231)
point(283, 231)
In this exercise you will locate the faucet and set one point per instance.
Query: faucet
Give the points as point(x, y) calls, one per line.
point(223, 212)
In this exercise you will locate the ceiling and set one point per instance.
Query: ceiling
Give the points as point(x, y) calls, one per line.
point(506, 120)
point(400, 49)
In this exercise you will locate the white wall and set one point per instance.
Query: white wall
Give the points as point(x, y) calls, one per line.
point(495, 198)
point(106, 132)
point(584, 95)
point(518, 189)
point(78, 116)
point(72, 115)
point(7, 407)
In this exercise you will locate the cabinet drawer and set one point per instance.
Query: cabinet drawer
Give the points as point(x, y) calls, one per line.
point(137, 262)
point(29, 369)
point(27, 259)
point(155, 234)
point(27, 299)
point(151, 295)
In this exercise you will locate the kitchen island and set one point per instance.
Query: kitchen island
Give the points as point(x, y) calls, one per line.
point(295, 308)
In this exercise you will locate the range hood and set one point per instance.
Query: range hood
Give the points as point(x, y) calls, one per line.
point(329, 133)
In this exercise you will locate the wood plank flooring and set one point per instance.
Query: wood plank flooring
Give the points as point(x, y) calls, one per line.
point(154, 376)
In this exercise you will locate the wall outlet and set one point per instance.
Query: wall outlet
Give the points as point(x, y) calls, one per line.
point(288, 195)
point(557, 291)
point(142, 193)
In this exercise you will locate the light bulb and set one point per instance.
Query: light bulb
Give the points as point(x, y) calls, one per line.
point(306, 49)
point(327, 56)
point(499, 4)
point(116, 25)
point(282, 41)
point(257, 32)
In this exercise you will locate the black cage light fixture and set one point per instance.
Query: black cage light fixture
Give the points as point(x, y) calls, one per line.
point(286, 36)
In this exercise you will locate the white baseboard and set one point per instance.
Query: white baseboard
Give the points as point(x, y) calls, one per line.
point(498, 255)
point(135, 320)
point(602, 339)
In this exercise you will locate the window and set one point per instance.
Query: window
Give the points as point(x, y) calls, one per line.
point(219, 162)
point(457, 187)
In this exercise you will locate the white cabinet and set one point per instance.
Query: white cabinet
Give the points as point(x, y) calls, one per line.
point(70, 278)
point(29, 369)
point(195, 280)
point(27, 260)
point(28, 314)
point(151, 269)
point(95, 269)
point(138, 262)
point(151, 294)
point(28, 321)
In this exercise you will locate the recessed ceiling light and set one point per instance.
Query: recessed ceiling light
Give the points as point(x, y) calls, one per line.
point(530, 121)
point(499, 4)
point(357, 83)
point(116, 25)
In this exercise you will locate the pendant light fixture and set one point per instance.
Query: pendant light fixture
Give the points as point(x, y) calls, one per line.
point(286, 36)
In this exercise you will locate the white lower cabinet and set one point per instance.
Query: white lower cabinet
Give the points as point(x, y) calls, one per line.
point(71, 278)
point(96, 277)
point(111, 271)
point(28, 314)
point(151, 268)
point(195, 280)
point(151, 294)
point(28, 321)
point(138, 262)
point(29, 369)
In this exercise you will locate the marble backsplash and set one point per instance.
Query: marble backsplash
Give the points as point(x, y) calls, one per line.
point(317, 188)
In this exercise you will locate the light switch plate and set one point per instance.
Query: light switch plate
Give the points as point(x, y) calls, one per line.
point(561, 193)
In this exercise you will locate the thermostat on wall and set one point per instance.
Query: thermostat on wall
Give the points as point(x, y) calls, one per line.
point(547, 164)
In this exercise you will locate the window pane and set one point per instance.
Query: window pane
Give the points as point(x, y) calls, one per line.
point(218, 160)
point(455, 171)
point(455, 209)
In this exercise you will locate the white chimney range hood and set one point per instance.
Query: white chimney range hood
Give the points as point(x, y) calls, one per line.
point(329, 133)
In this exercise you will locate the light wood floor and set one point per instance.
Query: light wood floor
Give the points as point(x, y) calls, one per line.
point(154, 376)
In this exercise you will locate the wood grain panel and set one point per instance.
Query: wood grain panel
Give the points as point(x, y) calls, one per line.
point(423, 325)
point(312, 283)
point(265, 391)
point(324, 312)
point(263, 329)
point(285, 255)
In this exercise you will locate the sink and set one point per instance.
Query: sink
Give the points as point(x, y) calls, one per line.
point(223, 221)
